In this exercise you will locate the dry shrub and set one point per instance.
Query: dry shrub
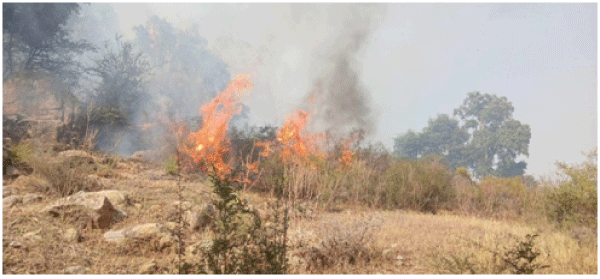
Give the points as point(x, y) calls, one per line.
point(343, 245)
point(422, 185)
point(66, 176)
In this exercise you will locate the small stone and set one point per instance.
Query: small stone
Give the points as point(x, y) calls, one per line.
point(71, 235)
point(148, 268)
point(388, 254)
point(166, 241)
point(32, 198)
point(171, 226)
point(76, 269)
point(34, 235)
point(138, 206)
point(15, 244)
point(6, 191)
point(9, 202)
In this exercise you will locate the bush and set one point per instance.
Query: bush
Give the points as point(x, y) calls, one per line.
point(171, 166)
point(501, 197)
point(343, 244)
point(242, 243)
point(67, 176)
point(423, 185)
point(575, 201)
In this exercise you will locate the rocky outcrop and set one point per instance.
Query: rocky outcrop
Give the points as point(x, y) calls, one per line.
point(91, 208)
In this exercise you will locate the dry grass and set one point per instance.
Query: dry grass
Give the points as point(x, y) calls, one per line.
point(354, 240)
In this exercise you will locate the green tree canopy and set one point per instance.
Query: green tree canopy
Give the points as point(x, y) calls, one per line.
point(488, 141)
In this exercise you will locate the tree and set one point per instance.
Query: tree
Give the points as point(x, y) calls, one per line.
point(35, 41)
point(497, 139)
point(488, 141)
point(122, 75)
point(121, 90)
point(187, 73)
point(443, 136)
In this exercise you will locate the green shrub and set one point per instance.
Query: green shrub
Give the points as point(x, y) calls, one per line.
point(171, 166)
point(575, 201)
point(243, 243)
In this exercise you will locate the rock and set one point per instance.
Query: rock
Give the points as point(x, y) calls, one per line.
point(76, 269)
point(15, 244)
point(32, 198)
point(34, 235)
point(138, 206)
point(71, 235)
point(166, 240)
point(171, 226)
point(12, 171)
point(197, 247)
point(145, 231)
point(148, 268)
point(202, 219)
point(389, 254)
point(103, 214)
point(8, 202)
point(6, 191)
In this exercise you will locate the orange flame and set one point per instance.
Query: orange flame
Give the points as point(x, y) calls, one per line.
point(210, 144)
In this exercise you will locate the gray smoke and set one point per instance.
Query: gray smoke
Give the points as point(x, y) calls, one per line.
point(341, 102)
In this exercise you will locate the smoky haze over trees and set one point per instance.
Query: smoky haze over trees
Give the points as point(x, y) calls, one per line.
point(488, 142)
point(166, 71)
point(35, 42)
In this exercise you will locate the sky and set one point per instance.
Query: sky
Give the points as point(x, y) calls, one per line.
point(416, 61)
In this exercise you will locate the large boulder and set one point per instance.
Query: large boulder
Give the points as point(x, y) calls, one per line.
point(97, 206)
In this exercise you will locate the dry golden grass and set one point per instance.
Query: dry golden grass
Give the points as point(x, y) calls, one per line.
point(427, 243)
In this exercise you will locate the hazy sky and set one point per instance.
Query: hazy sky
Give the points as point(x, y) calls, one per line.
point(418, 60)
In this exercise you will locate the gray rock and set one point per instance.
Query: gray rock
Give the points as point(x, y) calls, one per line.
point(32, 198)
point(200, 220)
point(103, 213)
point(144, 231)
point(6, 191)
point(15, 244)
point(34, 235)
point(76, 269)
point(148, 268)
point(10, 201)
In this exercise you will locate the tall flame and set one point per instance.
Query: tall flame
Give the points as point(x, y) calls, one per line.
point(209, 145)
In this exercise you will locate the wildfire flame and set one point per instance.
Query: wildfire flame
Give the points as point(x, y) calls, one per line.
point(209, 145)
